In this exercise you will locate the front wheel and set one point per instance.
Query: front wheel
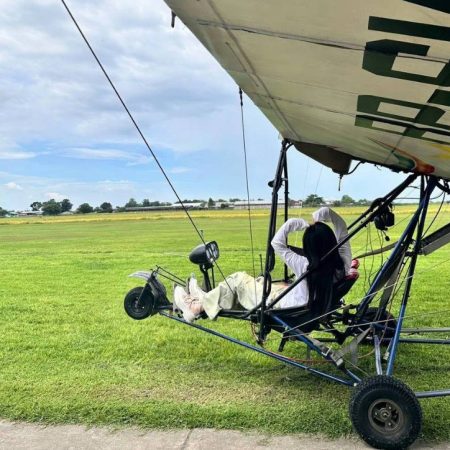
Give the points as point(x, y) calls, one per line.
point(139, 303)
point(385, 413)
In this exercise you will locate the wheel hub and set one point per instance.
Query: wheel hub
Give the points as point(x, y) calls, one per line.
point(137, 306)
point(385, 415)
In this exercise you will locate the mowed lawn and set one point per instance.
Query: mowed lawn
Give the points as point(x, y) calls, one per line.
point(69, 353)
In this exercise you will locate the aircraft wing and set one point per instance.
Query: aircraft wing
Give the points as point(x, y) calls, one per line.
point(342, 79)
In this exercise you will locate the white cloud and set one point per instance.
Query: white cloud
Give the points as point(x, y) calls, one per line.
point(89, 153)
point(51, 88)
point(13, 186)
point(16, 154)
point(55, 195)
point(106, 154)
point(179, 170)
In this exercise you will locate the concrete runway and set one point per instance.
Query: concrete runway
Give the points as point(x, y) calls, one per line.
point(15, 436)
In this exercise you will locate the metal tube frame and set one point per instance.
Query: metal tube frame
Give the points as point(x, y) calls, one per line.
point(270, 255)
point(276, 356)
point(286, 207)
point(419, 222)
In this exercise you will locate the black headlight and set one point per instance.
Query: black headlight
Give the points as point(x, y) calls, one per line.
point(205, 254)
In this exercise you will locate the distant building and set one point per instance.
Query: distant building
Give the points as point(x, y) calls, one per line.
point(166, 207)
point(199, 205)
point(29, 213)
point(224, 205)
point(263, 204)
point(148, 208)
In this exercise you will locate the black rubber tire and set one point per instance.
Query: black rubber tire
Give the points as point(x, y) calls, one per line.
point(144, 308)
point(385, 413)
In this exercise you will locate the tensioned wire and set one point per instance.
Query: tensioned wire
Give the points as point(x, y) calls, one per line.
point(244, 144)
point(141, 134)
point(433, 221)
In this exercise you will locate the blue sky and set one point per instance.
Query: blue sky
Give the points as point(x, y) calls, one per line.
point(63, 134)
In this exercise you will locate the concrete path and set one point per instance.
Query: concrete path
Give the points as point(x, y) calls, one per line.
point(15, 436)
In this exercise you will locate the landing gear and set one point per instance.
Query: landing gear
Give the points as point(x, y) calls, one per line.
point(144, 301)
point(385, 413)
point(139, 303)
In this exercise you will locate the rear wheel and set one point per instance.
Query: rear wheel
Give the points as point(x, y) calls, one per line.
point(139, 303)
point(385, 413)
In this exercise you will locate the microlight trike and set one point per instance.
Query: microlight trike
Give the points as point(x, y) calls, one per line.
point(341, 82)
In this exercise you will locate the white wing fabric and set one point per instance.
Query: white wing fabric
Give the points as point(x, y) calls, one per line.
point(343, 79)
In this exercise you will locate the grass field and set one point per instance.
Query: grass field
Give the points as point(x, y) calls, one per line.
point(70, 354)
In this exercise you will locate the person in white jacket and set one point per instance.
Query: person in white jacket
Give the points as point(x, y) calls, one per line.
point(241, 290)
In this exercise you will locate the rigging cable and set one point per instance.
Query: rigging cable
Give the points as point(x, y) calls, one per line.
point(244, 144)
point(318, 179)
point(436, 215)
point(140, 132)
point(372, 262)
point(306, 178)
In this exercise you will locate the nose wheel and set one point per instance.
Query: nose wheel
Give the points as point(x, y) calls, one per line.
point(139, 303)
point(385, 413)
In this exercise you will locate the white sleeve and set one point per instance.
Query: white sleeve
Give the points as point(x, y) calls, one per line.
point(279, 243)
point(326, 214)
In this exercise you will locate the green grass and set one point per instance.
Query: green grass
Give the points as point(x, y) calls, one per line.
point(70, 354)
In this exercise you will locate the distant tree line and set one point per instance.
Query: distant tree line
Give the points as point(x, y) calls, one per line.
point(53, 207)
point(346, 200)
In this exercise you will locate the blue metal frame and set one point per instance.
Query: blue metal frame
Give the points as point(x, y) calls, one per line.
point(420, 213)
point(276, 356)
point(303, 338)
point(433, 394)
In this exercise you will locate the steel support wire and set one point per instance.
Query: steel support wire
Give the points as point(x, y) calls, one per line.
point(139, 131)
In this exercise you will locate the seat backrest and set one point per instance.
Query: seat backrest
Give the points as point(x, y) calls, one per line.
point(294, 317)
point(340, 288)
point(307, 314)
